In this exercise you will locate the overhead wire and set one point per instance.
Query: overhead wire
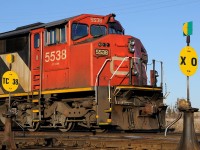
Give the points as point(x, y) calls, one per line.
point(121, 8)
point(127, 7)
point(180, 3)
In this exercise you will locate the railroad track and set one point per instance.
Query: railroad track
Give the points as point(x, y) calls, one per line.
point(88, 140)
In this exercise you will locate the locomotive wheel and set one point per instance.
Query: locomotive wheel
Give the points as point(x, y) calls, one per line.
point(68, 127)
point(35, 127)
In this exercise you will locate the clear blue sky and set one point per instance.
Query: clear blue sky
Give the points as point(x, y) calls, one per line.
point(158, 23)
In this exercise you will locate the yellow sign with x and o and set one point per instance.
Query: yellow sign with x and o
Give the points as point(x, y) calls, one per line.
point(188, 61)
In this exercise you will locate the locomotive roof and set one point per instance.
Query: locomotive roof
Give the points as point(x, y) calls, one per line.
point(27, 28)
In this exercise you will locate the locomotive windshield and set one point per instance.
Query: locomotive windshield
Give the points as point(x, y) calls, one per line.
point(79, 30)
point(115, 28)
point(97, 30)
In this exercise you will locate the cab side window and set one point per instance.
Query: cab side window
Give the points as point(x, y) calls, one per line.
point(37, 40)
point(79, 30)
point(55, 35)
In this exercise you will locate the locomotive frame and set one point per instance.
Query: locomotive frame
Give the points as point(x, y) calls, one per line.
point(81, 70)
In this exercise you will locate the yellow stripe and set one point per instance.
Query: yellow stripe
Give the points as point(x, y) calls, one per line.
point(139, 88)
point(49, 92)
point(103, 123)
point(17, 94)
point(68, 90)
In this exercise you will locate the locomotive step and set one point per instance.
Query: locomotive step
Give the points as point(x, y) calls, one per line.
point(35, 120)
point(35, 110)
point(108, 110)
point(106, 123)
point(35, 101)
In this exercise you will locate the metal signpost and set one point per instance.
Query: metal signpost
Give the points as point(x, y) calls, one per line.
point(188, 63)
point(10, 83)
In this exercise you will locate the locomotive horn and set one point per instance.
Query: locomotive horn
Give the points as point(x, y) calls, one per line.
point(111, 18)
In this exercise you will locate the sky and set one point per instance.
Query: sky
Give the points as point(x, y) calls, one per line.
point(157, 23)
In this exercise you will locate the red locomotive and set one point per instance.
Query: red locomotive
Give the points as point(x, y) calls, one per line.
point(80, 71)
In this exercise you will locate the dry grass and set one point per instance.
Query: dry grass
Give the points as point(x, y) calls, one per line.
point(178, 126)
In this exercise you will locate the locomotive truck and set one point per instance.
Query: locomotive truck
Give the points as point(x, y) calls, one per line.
point(80, 71)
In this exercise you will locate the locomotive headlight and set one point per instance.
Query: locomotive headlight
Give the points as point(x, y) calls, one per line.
point(132, 42)
point(131, 45)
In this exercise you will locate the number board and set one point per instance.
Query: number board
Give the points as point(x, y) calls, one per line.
point(10, 81)
point(188, 61)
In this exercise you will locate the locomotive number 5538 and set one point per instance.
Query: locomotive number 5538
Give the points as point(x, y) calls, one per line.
point(55, 55)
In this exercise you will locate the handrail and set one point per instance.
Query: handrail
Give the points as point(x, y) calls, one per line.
point(109, 91)
point(97, 78)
